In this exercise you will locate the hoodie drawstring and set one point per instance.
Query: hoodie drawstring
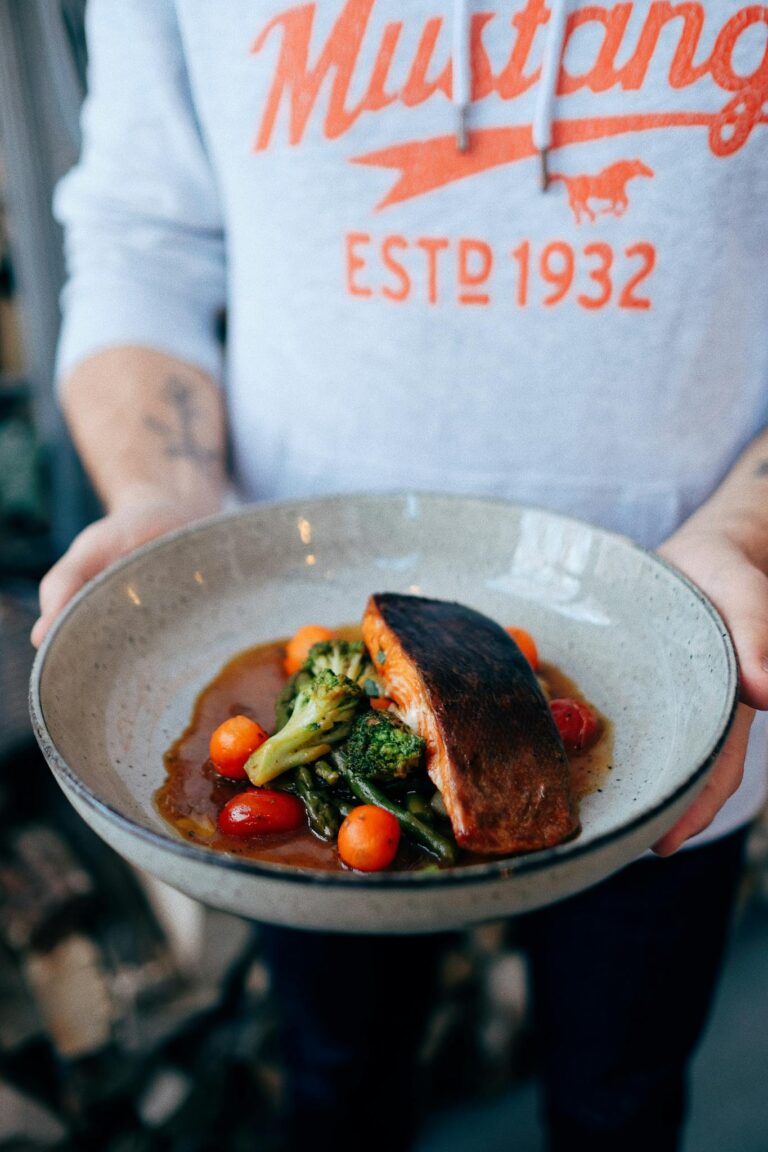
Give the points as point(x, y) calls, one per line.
point(461, 66)
point(461, 62)
point(547, 86)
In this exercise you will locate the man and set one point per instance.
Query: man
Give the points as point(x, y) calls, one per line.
point(514, 251)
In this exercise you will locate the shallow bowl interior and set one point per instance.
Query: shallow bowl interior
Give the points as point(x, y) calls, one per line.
point(116, 679)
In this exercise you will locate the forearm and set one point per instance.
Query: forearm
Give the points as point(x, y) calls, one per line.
point(148, 426)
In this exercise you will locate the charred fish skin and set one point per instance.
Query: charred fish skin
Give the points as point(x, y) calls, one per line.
point(493, 749)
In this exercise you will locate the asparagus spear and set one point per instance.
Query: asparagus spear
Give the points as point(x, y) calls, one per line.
point(322, 812)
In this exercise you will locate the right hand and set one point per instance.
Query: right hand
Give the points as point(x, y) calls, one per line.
point(102, 542)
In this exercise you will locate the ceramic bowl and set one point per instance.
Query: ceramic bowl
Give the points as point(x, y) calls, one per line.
point(115, 681)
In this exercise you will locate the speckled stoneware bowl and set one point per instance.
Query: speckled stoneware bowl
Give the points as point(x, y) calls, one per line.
point(115, 681)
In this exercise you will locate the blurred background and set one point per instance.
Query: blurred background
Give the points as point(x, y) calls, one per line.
point(120, 1000)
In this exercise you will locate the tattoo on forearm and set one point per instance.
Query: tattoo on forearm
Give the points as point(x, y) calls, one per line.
point(181, 441)
point(762, 468)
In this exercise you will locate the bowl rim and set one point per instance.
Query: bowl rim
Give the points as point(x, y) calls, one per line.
point(468, 874)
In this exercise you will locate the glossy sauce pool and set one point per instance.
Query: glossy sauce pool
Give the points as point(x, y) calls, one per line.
point(194, 793)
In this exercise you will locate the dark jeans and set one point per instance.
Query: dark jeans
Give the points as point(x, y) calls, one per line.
point(622, 977)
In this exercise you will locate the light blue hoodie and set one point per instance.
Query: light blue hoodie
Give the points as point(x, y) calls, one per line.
point(497, 248)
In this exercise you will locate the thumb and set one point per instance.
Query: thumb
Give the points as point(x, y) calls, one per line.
point(739, 591)
point(722, 782)
point(744, 608)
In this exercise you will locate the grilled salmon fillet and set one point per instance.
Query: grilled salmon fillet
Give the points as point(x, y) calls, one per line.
point(460, 681)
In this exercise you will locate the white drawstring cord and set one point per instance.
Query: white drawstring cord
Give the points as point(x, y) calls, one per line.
point(547, 86)
point(461, 65)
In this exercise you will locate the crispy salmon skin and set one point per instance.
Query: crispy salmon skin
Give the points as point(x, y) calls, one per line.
point(460, 681)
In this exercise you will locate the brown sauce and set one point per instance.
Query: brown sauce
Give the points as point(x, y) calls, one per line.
point(194, 793)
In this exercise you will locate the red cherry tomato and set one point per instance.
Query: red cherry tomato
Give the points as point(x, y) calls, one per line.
point(261, 811)
point(232, 743)
point(576, 723)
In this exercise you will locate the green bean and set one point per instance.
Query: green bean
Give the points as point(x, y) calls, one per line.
point(418, 806)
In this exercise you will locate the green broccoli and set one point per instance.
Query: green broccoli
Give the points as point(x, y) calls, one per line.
point(345, 658)
point(287, 698)
point(342, 657)
point(382, 748)
point(322, 715)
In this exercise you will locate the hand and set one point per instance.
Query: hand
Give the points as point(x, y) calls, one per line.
point(721, 566)
point(136, 520)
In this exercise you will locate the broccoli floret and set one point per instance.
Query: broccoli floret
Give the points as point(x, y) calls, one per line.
point(344, 657)
point(382, 748)
point(287, 698)
point(322, 716)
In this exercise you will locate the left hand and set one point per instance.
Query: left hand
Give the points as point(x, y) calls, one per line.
point(720, 565)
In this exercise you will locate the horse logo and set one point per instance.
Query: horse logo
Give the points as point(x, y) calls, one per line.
point(609, 186)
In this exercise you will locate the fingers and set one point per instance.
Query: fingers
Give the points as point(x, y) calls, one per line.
point(739, 591)
point(98, 545)
point(90, 552)
point(722, 783)
point(743, 604)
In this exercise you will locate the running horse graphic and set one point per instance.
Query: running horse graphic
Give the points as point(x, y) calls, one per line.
point(609, 186)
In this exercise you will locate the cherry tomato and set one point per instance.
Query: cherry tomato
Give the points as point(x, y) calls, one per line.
point(297, 648)
point(368, 838)
point(232, 743)
point(576, 722)
point(261, 811)
point(526, 644)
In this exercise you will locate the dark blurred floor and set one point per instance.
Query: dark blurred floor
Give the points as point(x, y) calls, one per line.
point(729, 1107)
